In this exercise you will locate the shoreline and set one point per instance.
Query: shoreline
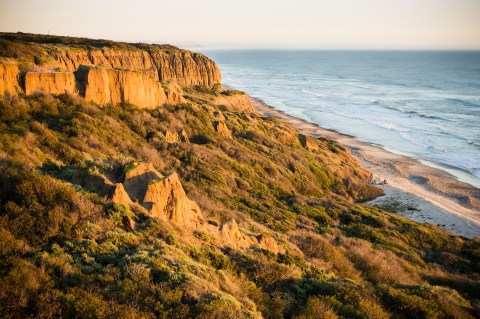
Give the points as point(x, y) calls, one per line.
point(415, 190)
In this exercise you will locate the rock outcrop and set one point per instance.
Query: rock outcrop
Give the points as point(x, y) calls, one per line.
point(137, 179)
point(107, 72)
point(120, 195)
point(111, 86)
point(222, 129)
point(176, 137)
point(231, 236)
point(162, 197)
point(51, 82)
point(166, 199)
point(183, 136)
point(181, 66)
point(8, 76)
point(172, 137)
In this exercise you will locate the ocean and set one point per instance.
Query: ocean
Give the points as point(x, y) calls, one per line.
point(424, 104)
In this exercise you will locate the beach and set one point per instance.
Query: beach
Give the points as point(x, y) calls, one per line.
point(413, 189)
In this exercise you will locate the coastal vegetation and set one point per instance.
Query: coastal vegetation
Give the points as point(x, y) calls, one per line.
point(68, 250)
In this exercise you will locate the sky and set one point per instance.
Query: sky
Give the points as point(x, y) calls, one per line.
point(270, 24)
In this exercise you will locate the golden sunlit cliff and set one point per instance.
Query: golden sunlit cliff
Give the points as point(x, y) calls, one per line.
point(100, 71)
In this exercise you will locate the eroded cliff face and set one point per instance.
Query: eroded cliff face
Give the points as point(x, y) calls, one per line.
point(184, 67)
point(8, 76)
point(105, 86)
point(145, 75)
point(51, 82)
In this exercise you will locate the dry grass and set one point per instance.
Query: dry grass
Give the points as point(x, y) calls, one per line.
point(378, 265)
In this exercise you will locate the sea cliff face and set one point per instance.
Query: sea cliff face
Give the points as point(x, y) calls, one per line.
point(102, 72)
point(183, 67)
point(51, 82)
point(8, 76)
point(110, 86)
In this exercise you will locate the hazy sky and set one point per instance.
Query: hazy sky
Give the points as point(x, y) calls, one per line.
point(330, 24)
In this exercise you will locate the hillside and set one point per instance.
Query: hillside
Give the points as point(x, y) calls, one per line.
point(193, 205)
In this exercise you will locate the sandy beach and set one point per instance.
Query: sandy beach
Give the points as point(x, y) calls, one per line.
point(414, 190)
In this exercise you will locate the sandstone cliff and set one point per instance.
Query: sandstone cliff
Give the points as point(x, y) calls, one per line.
point(51, 82)
point(101, 71)
point(8, 76)
point(120, 195)
point(181, 66)
point(173, 92)
point(137, 179)
point(105, 86)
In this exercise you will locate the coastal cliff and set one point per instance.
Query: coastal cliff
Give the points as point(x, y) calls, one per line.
point(200, 208)
point(111, 86)
point(8, 76)
point(51, 82)
point(101, 72)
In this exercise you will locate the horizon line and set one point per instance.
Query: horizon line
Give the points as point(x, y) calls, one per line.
point(274, 47)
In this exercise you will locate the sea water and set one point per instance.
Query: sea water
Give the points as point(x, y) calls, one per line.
point(422, 104)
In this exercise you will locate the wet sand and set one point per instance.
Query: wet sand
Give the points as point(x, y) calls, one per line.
point(415, 190)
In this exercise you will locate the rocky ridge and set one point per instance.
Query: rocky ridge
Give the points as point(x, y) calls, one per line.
point(163, 197)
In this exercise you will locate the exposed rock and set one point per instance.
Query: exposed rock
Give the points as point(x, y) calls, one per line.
point(232, 237)
point(8, 76)
point(181, 66)
point(166, 199)
point(185, 68)
point(50, 82)
point(222, 129)
point(120, 195)
point(268, 243)
point(134, 74)
point(138, 178)
point(176, 137)
point(105, 86)
point(172, 137)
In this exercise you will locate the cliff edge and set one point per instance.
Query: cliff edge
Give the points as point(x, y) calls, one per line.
point(101, 71)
